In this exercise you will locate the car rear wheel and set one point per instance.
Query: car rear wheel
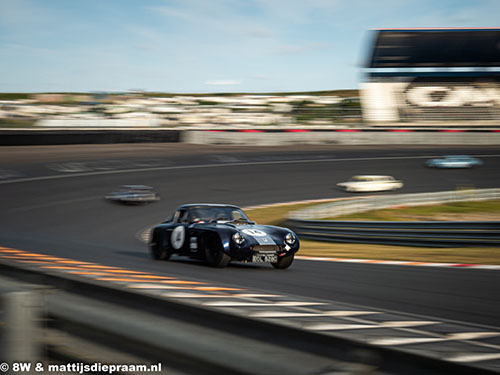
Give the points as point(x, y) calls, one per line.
point(214, 255)
point(283, 262)
point(158, 251)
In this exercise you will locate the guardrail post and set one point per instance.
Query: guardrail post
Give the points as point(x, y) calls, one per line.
point(21, 331)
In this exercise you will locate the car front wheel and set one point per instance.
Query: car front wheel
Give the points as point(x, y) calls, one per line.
point(283, 262)
point(215, 255)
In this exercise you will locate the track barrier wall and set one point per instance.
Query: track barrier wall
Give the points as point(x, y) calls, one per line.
point(83, 321)
point(257, 137)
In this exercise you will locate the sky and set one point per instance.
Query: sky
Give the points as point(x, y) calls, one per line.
point(206, 46)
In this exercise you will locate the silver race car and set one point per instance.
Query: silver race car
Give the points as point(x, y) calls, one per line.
point(134, 194)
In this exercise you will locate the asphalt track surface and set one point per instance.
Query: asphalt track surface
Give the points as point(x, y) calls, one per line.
point(52, 203)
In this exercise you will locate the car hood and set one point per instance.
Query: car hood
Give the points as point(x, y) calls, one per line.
point(440, 160)
point(262, 234)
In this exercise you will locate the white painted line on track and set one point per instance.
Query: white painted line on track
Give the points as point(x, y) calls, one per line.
point(339, 327)
point(411, 323)
point(401, 262)
point(487, 266)
point(406, 341)
point(474, 357)
point(283, 314)
point(251, 304)
point(472, 335)
point(258, 295)
point(393, 324)
point(154, 286)
point(394, 262)
point(354, 260)
point(196, 295)
point(422, 340)
point(224, 295)
point(350, 313)
point(279, 314)
point(55, 203)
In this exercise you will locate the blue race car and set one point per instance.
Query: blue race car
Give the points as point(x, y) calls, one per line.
point(454, 161)
point(219, 234)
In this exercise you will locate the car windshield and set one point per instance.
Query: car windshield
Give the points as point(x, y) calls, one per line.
point(362, 178)
point(212, 213)
point(136, 188)
point(371, 179)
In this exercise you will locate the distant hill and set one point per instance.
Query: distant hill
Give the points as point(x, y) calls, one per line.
point(341, 93)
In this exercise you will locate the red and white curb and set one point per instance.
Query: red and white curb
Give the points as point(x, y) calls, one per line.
point(402, 262)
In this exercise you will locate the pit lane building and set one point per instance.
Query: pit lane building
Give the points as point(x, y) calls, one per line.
point(431, 76)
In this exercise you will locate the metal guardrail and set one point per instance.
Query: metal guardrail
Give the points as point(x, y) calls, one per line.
point(114, 325)
point(418, 233)
point(427, 233)
point(361, 204)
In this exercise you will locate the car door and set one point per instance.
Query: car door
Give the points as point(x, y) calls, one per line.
point(193, 233)
point(378, 184)
point(179, 235)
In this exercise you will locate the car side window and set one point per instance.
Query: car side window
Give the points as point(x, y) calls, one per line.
point(178, 216)
point(183, 216)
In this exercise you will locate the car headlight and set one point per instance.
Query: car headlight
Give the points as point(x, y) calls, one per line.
point(290, 239)
point(238, 238)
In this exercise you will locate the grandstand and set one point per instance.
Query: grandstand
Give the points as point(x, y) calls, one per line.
point(433, 76)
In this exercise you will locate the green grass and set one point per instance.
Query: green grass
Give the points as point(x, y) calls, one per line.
point(13, 95)
point(208, 102)
point(480, 255)
point(432, 212)
point(6, 123)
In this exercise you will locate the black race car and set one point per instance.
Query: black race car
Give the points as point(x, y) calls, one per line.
point(219, 234)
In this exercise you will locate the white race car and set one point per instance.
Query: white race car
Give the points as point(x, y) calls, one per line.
point(369, 183)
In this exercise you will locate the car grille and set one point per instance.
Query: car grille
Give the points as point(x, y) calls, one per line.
point(266, 248)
